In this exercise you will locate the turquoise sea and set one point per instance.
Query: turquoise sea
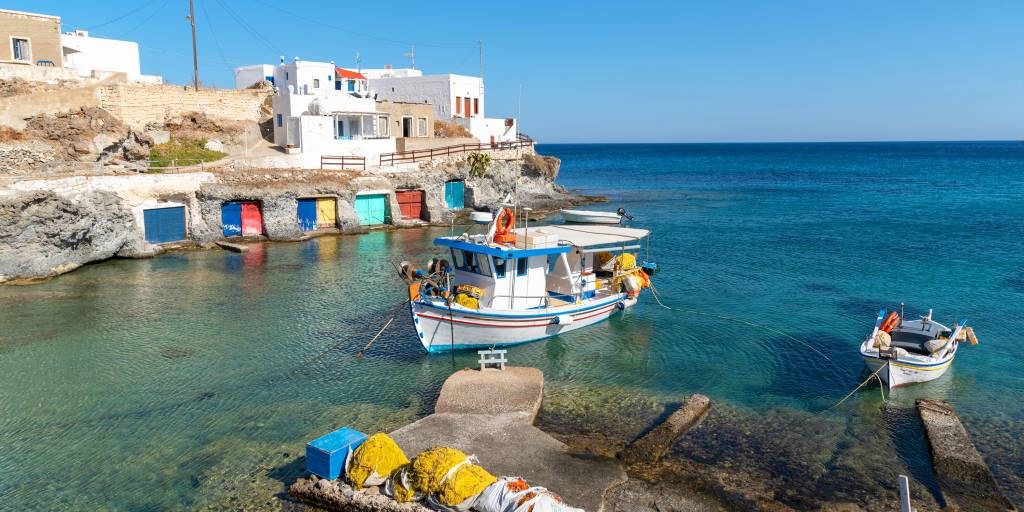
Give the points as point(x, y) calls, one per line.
point(192, 380)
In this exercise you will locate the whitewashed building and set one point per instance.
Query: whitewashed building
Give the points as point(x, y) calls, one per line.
point(86, 54)
point(323, 110)
point(458, 98)
point(247, 76)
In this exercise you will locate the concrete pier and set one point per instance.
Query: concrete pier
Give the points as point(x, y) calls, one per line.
point(232, 246)
point(488, 414)
point(964, 477)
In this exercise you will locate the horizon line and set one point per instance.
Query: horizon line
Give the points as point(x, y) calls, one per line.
point(908, 141)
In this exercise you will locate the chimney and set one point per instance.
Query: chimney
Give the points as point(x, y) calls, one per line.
point(387, 66)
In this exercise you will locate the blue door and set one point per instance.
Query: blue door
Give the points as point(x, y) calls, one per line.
point(307, 214)
point(231, 218)
point(454, 194)
point(372, 209)
point(164, 224)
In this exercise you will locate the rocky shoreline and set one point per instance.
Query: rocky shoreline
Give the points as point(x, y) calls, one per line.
point(52, 226)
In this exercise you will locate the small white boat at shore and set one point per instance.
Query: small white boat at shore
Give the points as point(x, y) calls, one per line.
point(592, 216)
point(509, 286)
point(907, 351)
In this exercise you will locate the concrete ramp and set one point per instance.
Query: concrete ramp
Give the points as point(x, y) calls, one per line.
point(490, 415)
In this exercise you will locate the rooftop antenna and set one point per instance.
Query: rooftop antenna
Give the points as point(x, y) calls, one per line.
point(358, 60)
point(412, 56)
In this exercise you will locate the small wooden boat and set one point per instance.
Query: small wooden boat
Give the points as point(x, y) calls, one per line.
point(591, 217)
point(907, 351)
point(509, 286)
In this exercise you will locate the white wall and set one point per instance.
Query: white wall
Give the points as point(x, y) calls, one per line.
point(86, 54)
point(438, 90)
point(301, 75)
point(482, 128)
point(245, 76)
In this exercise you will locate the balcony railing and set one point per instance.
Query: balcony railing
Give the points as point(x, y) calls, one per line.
point(427, 154)
point(343, 162)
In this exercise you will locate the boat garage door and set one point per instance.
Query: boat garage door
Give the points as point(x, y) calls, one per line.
point(252, 219)
point(372, 209)
point(231, 218)
point(410, 202)
point(307, 214)
point(326, 212)
point(164, 224)
point(454, 194)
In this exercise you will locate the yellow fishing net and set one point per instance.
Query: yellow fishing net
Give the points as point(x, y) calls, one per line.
point(402, 493)
point(430, 467)
point(625, 261)
point(467, 301)
point(468, 481)
point(377, 455)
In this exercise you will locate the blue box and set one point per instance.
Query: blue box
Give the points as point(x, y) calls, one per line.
point(325, 457)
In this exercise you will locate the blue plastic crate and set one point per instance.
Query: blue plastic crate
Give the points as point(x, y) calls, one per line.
point(325, 457)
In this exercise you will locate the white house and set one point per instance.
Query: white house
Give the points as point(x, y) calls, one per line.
point(455, 97)
point(323, 110)
point(246, 76)
point(86, 54)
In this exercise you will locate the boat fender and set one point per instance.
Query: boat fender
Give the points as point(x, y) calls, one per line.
point(621, 306)
point(563, 320)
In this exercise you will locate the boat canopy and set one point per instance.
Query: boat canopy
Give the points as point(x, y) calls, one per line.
point(596, 236)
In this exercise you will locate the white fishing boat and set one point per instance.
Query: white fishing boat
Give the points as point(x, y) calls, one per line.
point(508, 286)
point(907, 351)
point(592, 216)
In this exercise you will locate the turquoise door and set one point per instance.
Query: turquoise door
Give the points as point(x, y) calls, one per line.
point(373, 209)
point(454, 194)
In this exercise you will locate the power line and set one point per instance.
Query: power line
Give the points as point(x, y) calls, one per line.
point(249, 28)
point(213, 33)
point(361, 34)
point(123, 16)
point(146, 19)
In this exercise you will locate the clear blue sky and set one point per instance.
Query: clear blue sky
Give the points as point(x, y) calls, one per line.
point(635, 71)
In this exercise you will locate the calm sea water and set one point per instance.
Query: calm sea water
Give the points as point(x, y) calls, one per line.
point(181, 381)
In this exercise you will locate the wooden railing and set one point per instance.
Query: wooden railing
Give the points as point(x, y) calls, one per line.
point(345, 161)
point(426, 154)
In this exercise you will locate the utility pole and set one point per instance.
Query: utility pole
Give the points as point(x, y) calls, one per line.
point(480, 42)
point(195, 57)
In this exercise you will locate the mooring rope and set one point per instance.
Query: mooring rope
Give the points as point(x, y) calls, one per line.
point(848, 395)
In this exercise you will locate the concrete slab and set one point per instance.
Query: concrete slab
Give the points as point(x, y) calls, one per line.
point(962, 474)
point(509, 445)
point(232, 246)
point(654, 444)
point(513, 390)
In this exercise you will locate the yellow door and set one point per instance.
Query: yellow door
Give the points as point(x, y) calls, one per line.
point(326, 212)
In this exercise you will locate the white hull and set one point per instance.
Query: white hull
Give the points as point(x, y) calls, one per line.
point(909, 369)
point(464, 328)
point(591, 217)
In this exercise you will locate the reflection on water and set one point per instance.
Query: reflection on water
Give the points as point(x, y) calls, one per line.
point(185, 372)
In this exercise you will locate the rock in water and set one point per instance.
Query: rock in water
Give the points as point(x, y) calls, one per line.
point(963, 475)
point(43, 234)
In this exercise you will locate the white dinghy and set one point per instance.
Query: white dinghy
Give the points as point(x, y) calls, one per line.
point(509, 286)
point(592, 216)
point(908, 351)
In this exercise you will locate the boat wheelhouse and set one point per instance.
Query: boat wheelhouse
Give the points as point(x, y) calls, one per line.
point(537, 283)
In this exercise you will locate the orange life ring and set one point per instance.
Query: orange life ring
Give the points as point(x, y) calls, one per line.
point(890, 322)
point(503, 225)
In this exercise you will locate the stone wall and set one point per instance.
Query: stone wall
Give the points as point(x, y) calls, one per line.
point(14, 110)
point(137, 105)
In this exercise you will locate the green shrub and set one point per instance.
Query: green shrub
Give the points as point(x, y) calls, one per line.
point(478, 164)
point(182, 152)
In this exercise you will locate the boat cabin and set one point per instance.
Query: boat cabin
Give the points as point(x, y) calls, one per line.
point(549, 266)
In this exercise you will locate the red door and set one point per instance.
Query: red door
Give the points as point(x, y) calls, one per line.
point(410, 202)
point(467, 110)
point(252, 221)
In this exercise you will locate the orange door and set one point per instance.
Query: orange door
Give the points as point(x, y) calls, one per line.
point(466, 109)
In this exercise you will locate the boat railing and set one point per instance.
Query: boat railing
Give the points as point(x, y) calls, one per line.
point(546, 298)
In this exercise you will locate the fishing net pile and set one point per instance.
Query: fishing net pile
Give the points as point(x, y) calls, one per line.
point(443, 479)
